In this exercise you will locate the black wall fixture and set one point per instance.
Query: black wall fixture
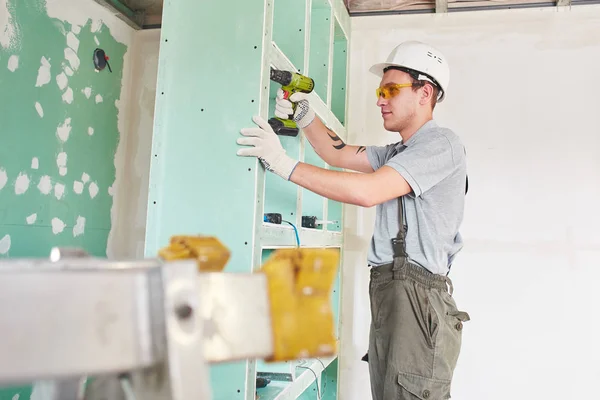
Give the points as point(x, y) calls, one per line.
point(101, 60)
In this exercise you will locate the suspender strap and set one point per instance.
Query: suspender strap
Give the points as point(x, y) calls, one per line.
point(399, 242)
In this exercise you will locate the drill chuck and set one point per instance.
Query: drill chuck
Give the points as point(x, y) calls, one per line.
point(284, 78)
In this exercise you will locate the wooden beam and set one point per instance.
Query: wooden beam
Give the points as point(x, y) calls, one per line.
point(132, 18)
point(441, 6)
point(152, 21)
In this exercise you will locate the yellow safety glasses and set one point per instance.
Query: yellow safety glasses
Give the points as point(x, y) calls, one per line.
point(391, 90)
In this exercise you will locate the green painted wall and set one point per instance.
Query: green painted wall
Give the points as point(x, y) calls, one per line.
point(64, 207)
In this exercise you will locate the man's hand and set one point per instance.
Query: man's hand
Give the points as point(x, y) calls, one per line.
point(267, 147)
point(303, 116)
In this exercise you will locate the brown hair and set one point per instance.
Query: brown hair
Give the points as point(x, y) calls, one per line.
point(414, 75)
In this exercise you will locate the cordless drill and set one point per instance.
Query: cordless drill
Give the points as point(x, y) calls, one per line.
point(291, 83)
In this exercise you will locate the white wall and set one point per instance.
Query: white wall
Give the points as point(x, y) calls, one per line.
point(133, 155)
point(524, 98)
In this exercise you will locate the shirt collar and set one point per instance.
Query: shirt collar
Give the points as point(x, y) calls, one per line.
point(429, 125)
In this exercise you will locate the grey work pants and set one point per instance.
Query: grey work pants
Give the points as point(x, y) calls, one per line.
point(416, 333)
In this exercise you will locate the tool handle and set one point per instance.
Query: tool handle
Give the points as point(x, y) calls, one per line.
point(284, 127)
point(286, 95)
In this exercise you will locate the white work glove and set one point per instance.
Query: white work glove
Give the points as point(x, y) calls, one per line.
point(303, 116)
point(267, 147)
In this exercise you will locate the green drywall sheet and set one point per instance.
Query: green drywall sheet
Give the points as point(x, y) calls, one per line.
point(208, 89)
point(320, 35)
point(327, 386)
point(312, 203)
point(335, 211)
point(288, 29)
point(25, 136)
point(340, 66)
point(281, 196)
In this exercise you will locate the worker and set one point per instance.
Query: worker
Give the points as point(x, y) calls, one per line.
point(418, 187)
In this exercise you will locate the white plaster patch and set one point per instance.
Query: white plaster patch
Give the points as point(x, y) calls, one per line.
point(76, 29)
point(78, 187)
point(62, 171)
point(35, 163)
point(13, 63)
point(43, 390)
point(62, 81)
point(97, 41)
point(87, 91)
point(61, 159)
point(96, 25)
point(90, 131)
point(3, 178)
point(21, 184)
point(99, 99)
point(72, 41)
point(85, 177)
point(16, 396)
point(63, 131)
point(93, 189)
point(79, 227)
point(68, 70)
point(72, 57)
point(5, 244)
point(68, 96)
point(57, 226)
point(59, 190)
point(101, 16)
point(31, 219)
point(7, 29)
point(111, 191)
point(39, 109)
point(43, 77)
point(45, 184)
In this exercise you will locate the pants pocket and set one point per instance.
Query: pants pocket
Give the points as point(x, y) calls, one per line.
point(449, 338)
point(413, 387)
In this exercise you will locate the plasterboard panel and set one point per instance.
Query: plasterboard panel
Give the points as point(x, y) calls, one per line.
point(198, 185)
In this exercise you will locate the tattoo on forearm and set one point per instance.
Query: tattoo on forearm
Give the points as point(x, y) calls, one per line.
point(339, 143)
point(361, 149)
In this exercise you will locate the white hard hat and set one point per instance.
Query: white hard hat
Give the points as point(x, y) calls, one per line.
point(421, 58)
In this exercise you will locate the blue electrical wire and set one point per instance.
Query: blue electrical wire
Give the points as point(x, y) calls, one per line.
point(295, 231)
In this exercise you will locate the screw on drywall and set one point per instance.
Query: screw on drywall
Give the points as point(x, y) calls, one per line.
point(184, 311)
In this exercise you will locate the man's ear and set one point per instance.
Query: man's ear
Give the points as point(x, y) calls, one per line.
point(427, 94)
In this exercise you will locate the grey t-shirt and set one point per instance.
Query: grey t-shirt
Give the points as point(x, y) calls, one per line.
point(433, 163)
